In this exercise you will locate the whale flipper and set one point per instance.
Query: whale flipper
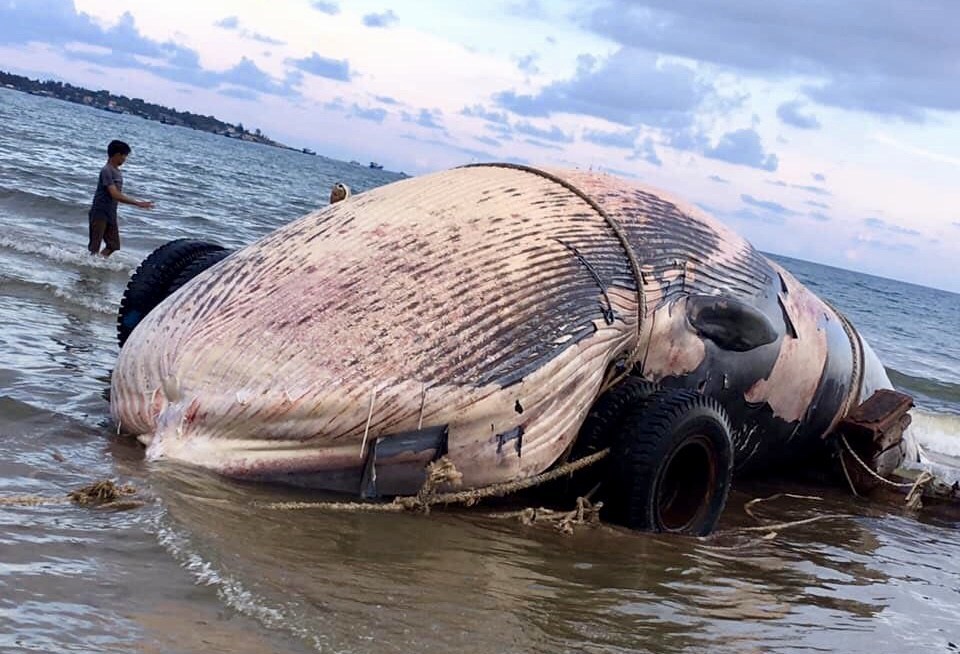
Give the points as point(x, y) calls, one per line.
point(731, 324)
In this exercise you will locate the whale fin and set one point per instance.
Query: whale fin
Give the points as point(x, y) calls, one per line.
point(731, 324)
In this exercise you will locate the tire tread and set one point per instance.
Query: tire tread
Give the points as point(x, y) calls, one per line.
point(150, 283)
point(647, 440)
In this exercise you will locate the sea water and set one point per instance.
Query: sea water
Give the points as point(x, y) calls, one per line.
point(203, 567)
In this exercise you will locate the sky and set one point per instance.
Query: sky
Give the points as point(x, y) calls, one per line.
point(822, 130)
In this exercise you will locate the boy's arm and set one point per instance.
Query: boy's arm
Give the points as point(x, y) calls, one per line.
point(126, 199)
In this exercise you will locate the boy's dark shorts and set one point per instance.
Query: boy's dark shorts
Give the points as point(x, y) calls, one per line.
point(103, 230)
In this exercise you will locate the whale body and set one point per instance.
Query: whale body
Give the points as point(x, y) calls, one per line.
point(490, 305)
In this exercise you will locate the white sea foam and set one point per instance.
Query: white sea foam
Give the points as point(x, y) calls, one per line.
point(91, 304)
point(937, 432)
point(938, 435)
point(230, 590)
point(75, 257)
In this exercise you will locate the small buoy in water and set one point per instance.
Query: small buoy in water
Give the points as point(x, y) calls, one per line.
point(340, 191)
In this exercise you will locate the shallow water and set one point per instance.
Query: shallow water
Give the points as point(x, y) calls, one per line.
point(205, 566)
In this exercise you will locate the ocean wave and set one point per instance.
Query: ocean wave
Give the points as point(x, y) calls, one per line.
point(35, 203)
point(934, 389)
point(14, 410)
point(938, 435)
point(75, 257)
point(939, 432)
point(101, 306)
point(42, 291)
point(230, 590)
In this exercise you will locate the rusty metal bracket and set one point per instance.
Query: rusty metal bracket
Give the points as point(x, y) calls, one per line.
point(874, 430)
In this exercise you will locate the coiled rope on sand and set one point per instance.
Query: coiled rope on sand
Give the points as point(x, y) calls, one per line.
point(104, 494)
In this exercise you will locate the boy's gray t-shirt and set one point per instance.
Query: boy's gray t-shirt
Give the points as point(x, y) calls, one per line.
point(103, 204)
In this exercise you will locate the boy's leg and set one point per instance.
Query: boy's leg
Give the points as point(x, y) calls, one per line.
point(112, 238)
point(98, 227)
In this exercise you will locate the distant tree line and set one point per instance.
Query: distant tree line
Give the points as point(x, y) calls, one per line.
point(136, 106)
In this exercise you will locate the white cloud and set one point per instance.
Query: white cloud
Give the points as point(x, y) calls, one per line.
point(694, 99)
point(882, 56)
point(743, 147)
point(791, 114)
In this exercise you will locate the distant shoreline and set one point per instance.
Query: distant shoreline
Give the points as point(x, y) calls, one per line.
point(121, 104)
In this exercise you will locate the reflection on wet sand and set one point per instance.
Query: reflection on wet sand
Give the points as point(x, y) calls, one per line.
point(459, 580)
point(176, 626)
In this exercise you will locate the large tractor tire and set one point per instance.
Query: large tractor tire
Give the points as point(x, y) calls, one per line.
point(672, 464)
point(196, 267)
point(154, 280)
point(599, 430)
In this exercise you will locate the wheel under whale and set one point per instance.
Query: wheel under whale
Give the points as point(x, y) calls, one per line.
point(604, 420)
point(671, 460)
point(164, 271)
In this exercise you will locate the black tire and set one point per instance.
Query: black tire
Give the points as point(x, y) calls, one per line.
point(672, 465)
point(197, 267)
point(599, 430)
point(606, 416)
point(151, 282)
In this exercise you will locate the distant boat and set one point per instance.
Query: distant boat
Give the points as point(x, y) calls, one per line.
point(376, 166)
point(307, 151)
point(114, 110)
point(355, 163)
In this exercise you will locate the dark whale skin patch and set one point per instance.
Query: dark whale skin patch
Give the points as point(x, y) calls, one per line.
point(731, 324)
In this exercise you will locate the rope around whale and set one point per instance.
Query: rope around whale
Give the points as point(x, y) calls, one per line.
point(439, 472)
point(107, 494)
point(633, 354)
point(914, 495)
point(856, 363)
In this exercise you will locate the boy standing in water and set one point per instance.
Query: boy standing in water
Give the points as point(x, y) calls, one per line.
point(103, 212)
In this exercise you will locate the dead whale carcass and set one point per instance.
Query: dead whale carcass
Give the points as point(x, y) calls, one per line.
point(505, 317)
